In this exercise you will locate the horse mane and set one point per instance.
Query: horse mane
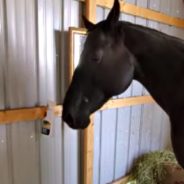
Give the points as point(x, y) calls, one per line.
point(173, 41)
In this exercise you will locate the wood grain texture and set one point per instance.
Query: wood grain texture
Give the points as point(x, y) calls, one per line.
point(37, 113)
point(91, 10)
point(89, 132)
point(88, 153)
point(125, 102)
point(13, 116)
point(144, 13)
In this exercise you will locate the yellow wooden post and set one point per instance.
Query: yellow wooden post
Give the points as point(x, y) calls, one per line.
point(89, 132)
point(91, 10)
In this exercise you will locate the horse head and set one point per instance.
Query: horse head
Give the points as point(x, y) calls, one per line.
point(106, 68)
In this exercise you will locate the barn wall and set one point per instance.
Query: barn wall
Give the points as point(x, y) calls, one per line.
point(33, 55)
point(33, 58)
point(121, 135)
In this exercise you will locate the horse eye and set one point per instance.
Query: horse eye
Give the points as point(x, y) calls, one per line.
point(96, 59)
point(86, 100)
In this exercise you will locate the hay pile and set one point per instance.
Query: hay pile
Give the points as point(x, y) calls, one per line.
point(149, 169)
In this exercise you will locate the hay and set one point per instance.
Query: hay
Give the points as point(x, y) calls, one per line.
point(149, 169)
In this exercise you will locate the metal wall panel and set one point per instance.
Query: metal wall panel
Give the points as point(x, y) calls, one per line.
point(33, 52)
point(122, 135)
point(60, 152)
point(19, 142)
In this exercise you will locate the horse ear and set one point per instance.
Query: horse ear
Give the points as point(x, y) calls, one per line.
point(114, 13)
point(88, 25)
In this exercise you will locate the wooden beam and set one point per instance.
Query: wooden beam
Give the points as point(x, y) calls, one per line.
point(38, 113)
point(125, 102)
point(89, 132)
point(26, 114)
point(91, 10)
point(88, 151)
point(17, 115)
point(143, 12)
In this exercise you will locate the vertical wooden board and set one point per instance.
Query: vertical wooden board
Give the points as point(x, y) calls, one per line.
point(139, 20)
point(164, 28)
point(155, 5)
point(128, 18)
point(99, 14)
point(165, 6)
point(108, 146)
point(137, 88)
point(131, 1)
point(165, 136)
point(173, 6)
point(153, 25)
point(146, 117)
point(122, 141)
point(91, 10)
point(134, 129)
point(134, 135)
point(181, 7)
point(179, 33)
point(174, 9)
point(145, 129)
point(5, 176)
point(71, 156)
point(97, 147)
point(142, 3)
point(25, 153)
point(51, 154)
point(106, 13)
point(156, 128)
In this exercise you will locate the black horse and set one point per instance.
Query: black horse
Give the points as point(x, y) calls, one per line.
point(115, 53)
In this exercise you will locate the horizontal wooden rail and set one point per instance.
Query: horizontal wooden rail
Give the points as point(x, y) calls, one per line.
point(125, 102)
point(144, 13)
point(38, 113)
point(27, 114)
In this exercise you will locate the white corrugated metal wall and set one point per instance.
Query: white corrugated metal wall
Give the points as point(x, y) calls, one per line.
point(33, 58)
point(33, 55)
point(121, 135)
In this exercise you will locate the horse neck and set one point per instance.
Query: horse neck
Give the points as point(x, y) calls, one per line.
point(144, 48)
point(156, 64)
